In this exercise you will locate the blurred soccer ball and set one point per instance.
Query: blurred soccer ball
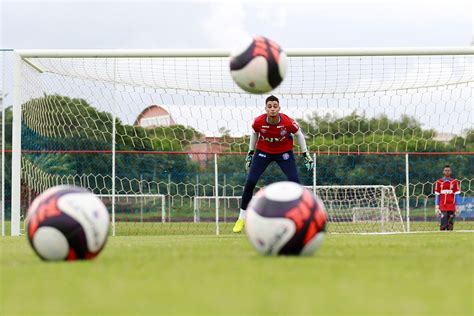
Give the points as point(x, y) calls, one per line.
point(286, 219)
point(67, 223)
point(259, 66)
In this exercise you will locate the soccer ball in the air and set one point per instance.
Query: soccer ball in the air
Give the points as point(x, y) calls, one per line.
point(286, 219)
point(67, 223)
point(258, 67)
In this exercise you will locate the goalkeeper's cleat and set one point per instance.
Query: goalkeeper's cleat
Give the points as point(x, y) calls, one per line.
point(239, 226)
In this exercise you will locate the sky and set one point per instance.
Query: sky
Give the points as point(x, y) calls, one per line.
point(222, 24)
point(219, 24)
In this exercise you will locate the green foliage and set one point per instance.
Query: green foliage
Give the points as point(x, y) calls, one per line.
point(355, 124)
point(54, 123)
point(62, 118)
point(356, 133)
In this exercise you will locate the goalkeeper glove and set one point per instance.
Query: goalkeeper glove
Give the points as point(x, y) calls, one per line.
point(308, 162)
point(248, 159)
point(437, 211)
point(456, 213)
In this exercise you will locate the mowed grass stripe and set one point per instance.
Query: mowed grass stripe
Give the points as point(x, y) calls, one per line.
point(192, 275)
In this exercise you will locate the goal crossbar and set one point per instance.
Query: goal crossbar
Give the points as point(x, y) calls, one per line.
point(26, 54)
point(294, 52)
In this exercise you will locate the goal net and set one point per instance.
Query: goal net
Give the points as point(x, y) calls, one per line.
point(136, 210)
point(351, 209)
point(173, 125)
point(361, 208)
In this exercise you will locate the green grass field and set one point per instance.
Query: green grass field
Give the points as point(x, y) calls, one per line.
point(403, 274)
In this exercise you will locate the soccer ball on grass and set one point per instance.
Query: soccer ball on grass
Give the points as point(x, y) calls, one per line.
point(67, 223)
point(285, 218)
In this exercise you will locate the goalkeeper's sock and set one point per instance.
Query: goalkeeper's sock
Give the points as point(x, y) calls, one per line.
point(243, 214)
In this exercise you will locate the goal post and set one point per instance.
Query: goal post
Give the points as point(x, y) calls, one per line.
point(16, 146)
point(361, 208)
point(125, 120)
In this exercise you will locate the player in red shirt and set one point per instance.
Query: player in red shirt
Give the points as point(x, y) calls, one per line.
point(447, 194)
point(271, 140)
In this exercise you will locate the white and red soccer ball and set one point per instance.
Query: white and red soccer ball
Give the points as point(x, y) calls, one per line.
point(285, 218)
point(259, 66)
point(67, 223)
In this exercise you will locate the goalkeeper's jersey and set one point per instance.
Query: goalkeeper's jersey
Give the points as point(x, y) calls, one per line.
point(275, 138)
point(447, 194)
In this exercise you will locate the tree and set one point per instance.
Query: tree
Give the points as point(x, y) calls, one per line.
point(54, 123)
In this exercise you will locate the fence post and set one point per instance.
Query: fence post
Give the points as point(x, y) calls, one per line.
point(195, 204)
point(223, 195)
point(383, 214)
point(168, 188)
point(216, 186)
point(407, 184)
point(314, 174)
point(141, 199)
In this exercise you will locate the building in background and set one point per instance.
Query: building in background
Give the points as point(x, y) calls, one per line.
point(154, 116)
point(202, 148)
point(444, 137)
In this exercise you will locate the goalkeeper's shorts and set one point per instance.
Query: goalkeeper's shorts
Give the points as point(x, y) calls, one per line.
point(261, 160)
point(447, 220)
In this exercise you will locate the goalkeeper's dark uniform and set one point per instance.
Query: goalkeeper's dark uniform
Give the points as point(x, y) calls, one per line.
point(273, 142)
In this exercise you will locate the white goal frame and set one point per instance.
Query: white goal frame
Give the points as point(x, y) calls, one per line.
point(162, 197)
point(383, 208)
point(20, 56)
point(383, 188)
point(197, 198)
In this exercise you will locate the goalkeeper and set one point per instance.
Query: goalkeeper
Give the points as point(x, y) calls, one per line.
point(271, 140)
